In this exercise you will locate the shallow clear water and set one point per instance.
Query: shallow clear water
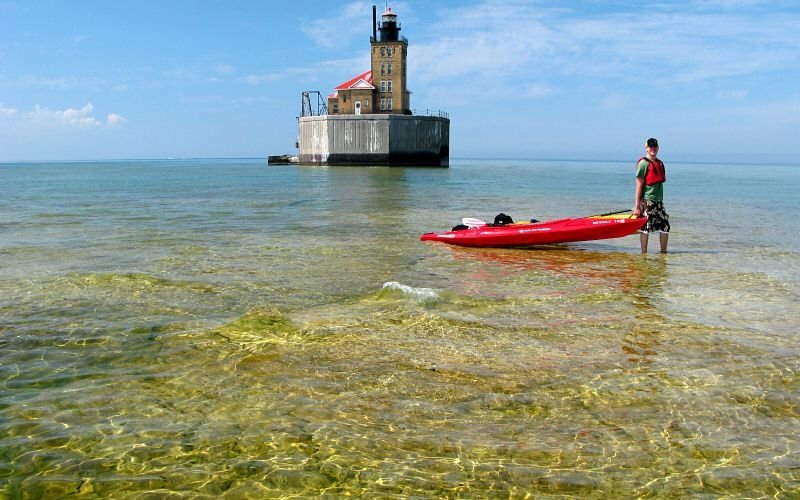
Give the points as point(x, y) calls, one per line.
point(212, 327)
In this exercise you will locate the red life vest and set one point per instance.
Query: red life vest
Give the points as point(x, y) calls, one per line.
point(655, 171)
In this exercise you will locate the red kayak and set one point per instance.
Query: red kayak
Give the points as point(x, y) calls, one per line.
point(595, 227)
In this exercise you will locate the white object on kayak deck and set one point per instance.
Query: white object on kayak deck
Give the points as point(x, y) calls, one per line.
point(472, 222)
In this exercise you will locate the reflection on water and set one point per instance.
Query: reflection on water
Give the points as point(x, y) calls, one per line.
point(307, 344)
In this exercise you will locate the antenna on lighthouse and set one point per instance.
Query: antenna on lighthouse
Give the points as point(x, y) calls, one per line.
point(374, 22)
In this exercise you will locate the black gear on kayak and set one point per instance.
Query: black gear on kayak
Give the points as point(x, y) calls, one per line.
point(503, 219)
point(460, 227)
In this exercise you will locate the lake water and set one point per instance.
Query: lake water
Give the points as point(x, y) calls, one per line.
point(224, 328)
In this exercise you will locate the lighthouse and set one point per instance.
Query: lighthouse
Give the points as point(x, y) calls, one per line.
point(368, 119)
point(383, 89)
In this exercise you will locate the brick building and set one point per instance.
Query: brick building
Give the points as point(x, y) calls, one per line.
point(383, 89)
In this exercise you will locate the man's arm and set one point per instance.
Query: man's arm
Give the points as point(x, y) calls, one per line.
point(637, 207)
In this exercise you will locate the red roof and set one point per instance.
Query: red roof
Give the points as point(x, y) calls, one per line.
point(366, 77)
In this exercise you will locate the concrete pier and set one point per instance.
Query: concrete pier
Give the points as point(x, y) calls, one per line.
point(374, 139)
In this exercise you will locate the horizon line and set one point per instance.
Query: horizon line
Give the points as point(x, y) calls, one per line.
point(681, 159)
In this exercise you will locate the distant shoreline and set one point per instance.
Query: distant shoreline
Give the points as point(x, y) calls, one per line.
point(679, 159)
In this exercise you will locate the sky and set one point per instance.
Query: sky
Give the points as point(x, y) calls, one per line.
point(713, 80)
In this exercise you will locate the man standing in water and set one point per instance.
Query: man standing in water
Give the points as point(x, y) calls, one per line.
point(650, 178)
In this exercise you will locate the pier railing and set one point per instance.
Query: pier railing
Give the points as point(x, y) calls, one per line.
point(431, 112)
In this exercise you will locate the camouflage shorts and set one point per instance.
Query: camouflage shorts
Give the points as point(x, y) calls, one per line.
point(657, 217)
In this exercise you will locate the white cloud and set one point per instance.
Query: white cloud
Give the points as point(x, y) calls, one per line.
point(224, 69)
point(612, 102)
point(537, 91)
point(263, 78)
point(715, 4)
point(673, 43)
point(51, 83)
point(196, 73)
point(331, 72)
point(351, 19)
point(733, 95)
point(114, 119)
point(81, 118)
point(177, 74)
point(783, 113)
point(70, 117)
point(30, 81)
point(7, 112)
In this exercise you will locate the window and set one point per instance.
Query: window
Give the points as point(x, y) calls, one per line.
point(383, 68)
point(389, 104)
point(383, 104)
point(335, 108)
point(389, 86)
point(389, 51)
point(366, 103)
point(344, 97)
point(383, 85)
point(383, 51)
point(389, 70)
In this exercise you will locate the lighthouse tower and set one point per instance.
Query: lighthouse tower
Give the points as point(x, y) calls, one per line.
point(389, 53)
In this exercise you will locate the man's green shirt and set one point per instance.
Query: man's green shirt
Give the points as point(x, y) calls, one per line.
point(650, 193)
